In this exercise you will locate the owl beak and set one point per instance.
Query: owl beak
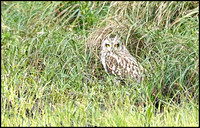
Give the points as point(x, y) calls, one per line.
point(114, 51)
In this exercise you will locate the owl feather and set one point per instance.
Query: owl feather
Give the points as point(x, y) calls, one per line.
point(117, 60)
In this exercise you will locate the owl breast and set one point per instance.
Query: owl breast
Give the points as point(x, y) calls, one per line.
point(122, 65)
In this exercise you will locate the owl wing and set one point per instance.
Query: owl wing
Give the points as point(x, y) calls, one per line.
point(123, 65)
point(136, 69)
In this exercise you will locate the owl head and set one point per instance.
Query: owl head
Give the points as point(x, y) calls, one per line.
point(112, 44)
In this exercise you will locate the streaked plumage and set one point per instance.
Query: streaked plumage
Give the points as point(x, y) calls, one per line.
point(117, 60)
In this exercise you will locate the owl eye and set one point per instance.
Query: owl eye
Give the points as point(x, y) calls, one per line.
point(117, 45)
point(107, 45)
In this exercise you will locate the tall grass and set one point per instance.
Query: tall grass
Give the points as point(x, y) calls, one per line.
point(51, 73)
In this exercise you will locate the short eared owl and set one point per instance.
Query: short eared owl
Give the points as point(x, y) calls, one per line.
point(117, 60)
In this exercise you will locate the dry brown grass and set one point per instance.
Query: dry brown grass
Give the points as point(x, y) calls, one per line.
point(130, 20)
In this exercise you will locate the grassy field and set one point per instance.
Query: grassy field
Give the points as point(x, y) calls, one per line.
point(51, 74)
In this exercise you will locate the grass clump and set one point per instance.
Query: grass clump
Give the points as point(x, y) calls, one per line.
point(52, 76)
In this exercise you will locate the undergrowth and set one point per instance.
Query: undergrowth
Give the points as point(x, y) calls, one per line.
point(51, 74)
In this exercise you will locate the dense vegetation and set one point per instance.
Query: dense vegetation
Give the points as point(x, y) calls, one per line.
point(51, 74)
